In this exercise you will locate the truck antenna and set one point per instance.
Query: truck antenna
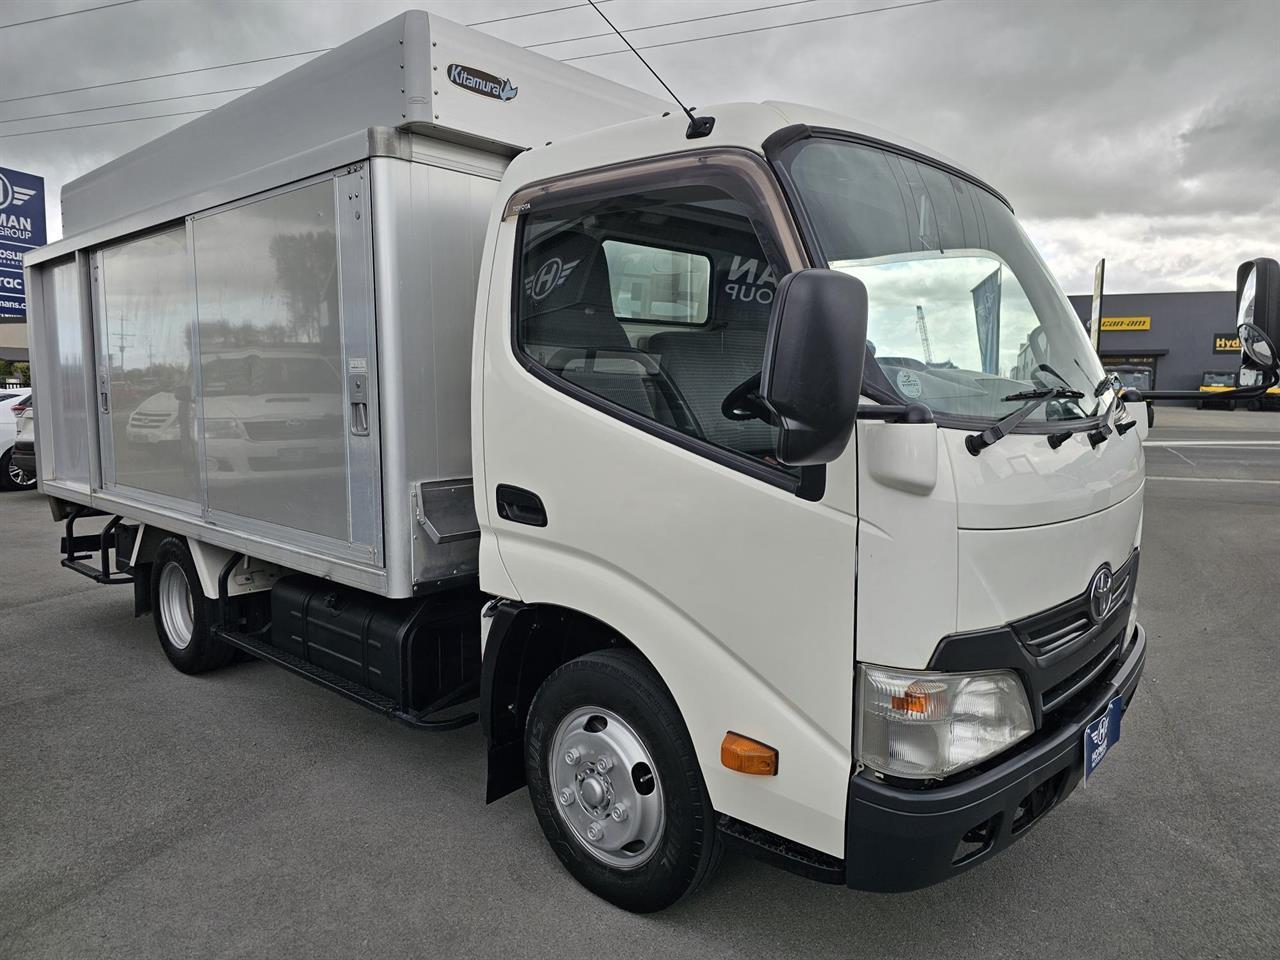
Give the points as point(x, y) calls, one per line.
point(698, 126)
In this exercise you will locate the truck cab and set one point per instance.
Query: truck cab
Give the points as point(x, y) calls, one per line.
point(916, 625)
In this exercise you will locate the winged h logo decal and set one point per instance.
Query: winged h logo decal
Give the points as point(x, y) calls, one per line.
point(548, 277)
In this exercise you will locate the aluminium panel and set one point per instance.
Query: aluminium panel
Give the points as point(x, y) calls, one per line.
point(359, 359)
point(429, 230)
point(399, 74)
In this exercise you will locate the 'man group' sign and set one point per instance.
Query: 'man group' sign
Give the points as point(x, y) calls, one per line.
point(21, 228)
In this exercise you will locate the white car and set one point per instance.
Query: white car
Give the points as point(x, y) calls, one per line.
point(13, 403)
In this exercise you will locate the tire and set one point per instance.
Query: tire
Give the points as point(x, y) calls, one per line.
point(10, 477)
point(612, 703)
point(183, 626)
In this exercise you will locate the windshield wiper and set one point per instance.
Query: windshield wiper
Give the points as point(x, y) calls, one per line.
point(975, 443)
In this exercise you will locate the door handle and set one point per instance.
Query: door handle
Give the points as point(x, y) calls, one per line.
point(521, 506)
point(358, 397)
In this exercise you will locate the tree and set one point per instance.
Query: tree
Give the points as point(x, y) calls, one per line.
point(306, 267)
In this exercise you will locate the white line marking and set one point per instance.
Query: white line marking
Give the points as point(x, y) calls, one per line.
point(1212, 443)
point(1215, 480)
point(1174, 451)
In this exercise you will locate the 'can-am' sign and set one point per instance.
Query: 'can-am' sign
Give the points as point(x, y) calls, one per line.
point(485, 84)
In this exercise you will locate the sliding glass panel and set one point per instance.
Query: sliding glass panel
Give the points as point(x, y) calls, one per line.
point(148, 307)
point(271, 361)
point(69, 401)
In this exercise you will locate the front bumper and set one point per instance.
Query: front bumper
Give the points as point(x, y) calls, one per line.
point(900, 839)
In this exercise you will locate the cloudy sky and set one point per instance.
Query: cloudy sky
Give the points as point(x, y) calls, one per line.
point(1147, 131)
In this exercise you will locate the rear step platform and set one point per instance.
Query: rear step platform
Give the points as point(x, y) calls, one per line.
point(379, 703)
point(74, 547)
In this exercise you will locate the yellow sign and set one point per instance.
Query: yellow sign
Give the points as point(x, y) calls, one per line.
point(1126, 323)
point(1226, 343)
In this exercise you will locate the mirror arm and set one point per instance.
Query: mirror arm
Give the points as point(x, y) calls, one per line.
point(896, 412)
point(1239, 393)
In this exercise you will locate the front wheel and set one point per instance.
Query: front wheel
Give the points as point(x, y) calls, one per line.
point(616, 785)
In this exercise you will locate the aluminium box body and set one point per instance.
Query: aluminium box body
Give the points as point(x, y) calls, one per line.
point(258, 331)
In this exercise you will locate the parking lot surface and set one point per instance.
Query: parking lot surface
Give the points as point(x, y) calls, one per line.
point(248, 813)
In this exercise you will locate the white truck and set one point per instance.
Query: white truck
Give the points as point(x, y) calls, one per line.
point(750, 480)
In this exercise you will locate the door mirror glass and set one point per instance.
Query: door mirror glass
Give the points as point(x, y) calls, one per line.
point(1257, 352)
point(1258, 313)
point(814, 353)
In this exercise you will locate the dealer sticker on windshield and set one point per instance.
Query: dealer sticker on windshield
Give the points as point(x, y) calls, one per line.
point(909, 384)
point(1101, 735)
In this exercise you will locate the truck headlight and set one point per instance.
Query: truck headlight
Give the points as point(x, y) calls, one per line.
point(924, 725)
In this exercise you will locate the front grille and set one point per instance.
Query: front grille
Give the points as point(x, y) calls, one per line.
point(309, 462)
point(1064, 627)
point(1072, 649)
point(299, 429)
point(1064, 690)
point(1043, 640)
point(149, 419)
point(1062, 653)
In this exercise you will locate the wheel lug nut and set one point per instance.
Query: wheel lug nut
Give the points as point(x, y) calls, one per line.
point(573, 756)
point(619, 813)
point(566, 796)
point(595, 832)
point(604, 763)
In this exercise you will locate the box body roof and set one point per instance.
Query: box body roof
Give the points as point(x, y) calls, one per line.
point(397, 76)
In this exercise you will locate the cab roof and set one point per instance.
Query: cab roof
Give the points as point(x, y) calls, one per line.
point(742, 125)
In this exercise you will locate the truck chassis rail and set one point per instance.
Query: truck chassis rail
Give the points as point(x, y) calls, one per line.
point(254, 646)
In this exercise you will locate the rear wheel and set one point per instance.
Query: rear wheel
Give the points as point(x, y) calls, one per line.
point(11, 478)
point(616, 784)
point(181, 612)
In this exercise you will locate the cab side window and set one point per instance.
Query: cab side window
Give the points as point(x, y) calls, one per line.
point(657, 303)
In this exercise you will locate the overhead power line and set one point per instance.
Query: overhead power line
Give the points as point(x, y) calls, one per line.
point(531, 13)
point(286, 56)
point(162, 76)
point(103, 123)
point(131, 103)
point(737, 33)
point(651, 46)
point(68, 13)
point(669, 23)
point(236, 63)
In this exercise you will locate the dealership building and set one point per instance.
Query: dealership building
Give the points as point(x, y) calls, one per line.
point(1166, 341)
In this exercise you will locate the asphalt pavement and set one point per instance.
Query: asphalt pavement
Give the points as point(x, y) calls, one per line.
point(248, 813)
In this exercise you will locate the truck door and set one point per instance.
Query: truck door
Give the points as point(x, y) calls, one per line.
point(616, 485)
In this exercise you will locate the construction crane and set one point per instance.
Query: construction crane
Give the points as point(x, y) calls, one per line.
point(923, 329)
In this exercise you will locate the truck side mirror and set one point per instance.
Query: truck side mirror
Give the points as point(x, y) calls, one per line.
point(814, 353)
point(1258, 314)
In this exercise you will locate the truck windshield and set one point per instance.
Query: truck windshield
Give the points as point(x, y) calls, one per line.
point(963, 313)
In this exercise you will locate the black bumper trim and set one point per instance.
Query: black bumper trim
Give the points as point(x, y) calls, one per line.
point(900, 839)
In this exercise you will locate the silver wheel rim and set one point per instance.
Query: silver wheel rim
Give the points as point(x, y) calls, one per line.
point(175, 606)
point(606, 788)
point(18, 476)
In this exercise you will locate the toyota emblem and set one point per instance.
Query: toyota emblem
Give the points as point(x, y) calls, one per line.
point(1100, 593)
